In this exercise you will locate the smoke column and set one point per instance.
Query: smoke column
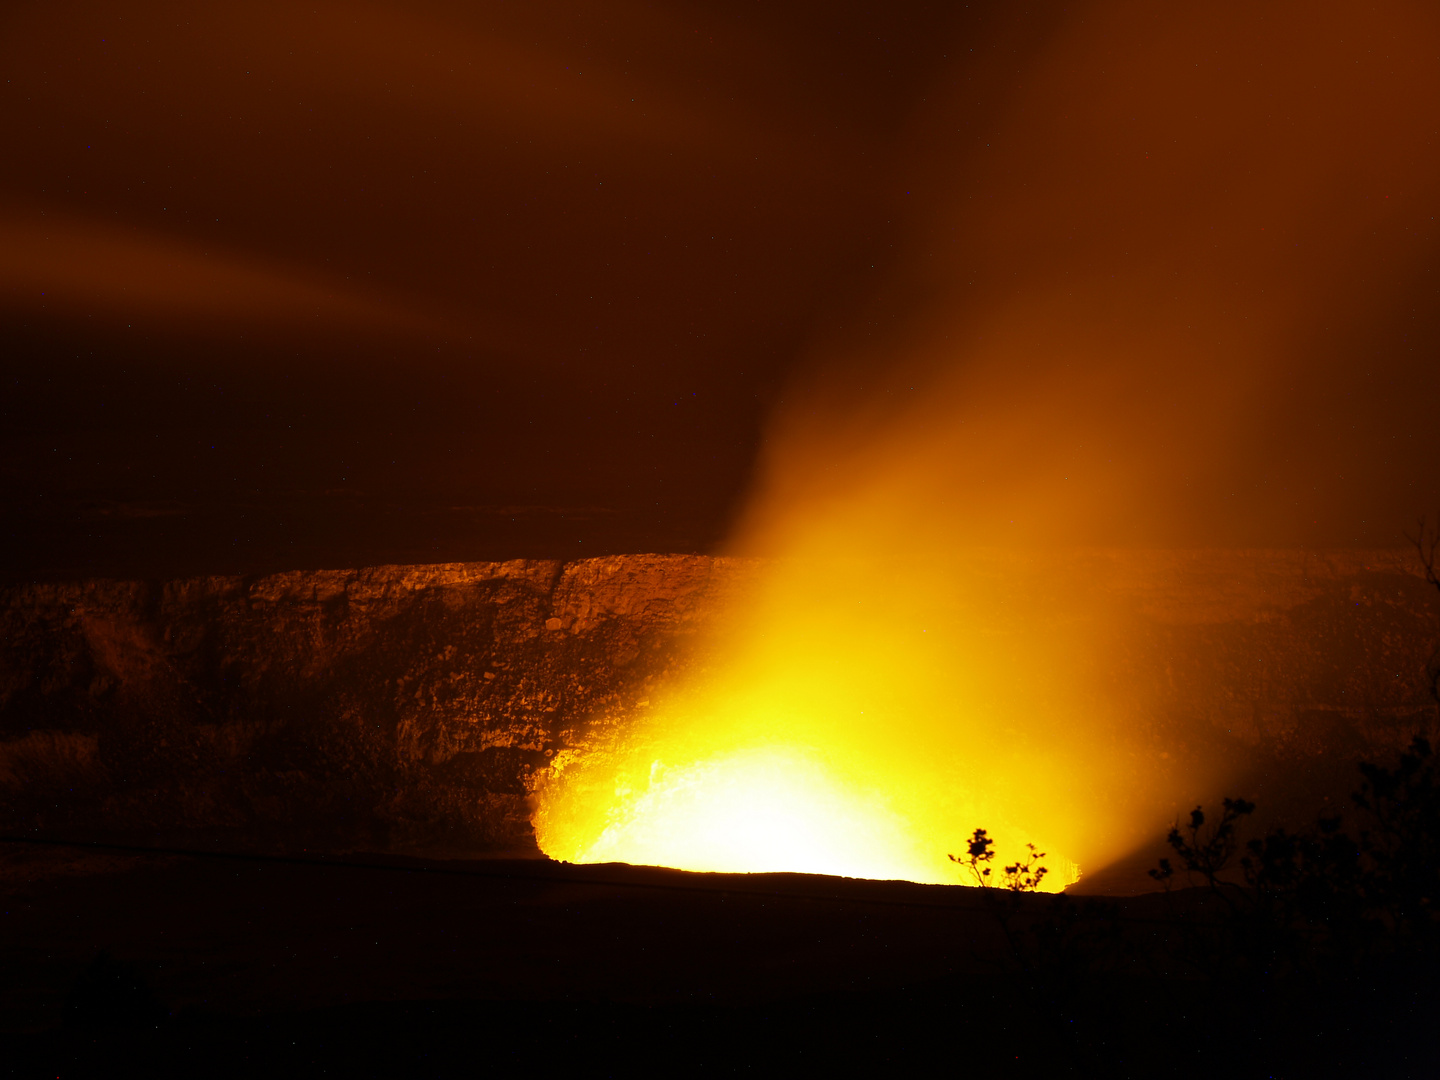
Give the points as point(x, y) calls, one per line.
point(1171, 293)
point(1169, 285)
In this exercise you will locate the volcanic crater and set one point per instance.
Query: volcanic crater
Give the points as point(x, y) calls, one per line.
point(416, 710)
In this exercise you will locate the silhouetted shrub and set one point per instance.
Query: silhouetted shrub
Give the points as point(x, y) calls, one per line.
point(1308, 952)
point(1325, 902)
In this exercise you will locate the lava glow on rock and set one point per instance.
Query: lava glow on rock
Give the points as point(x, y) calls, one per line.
point(758, 809)
point(1094, 335)
point(863, 732)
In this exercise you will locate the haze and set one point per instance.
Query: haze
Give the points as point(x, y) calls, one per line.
point(370, 283)
point(861, 288)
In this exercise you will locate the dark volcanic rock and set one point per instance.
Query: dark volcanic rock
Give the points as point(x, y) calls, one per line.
point(389, 709)
point(413, 709)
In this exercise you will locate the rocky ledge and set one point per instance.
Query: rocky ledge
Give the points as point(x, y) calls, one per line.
point(413, 709)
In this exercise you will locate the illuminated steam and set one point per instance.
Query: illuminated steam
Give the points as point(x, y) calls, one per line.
point(1125, 317)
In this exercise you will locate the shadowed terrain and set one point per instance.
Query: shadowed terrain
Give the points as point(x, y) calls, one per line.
point(414, 710)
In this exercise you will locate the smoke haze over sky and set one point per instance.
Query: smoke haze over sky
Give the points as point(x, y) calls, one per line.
point(380, 282)
point(1178, 290)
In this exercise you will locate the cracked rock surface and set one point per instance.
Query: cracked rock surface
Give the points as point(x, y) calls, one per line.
point(393, 708)
point(412, 709)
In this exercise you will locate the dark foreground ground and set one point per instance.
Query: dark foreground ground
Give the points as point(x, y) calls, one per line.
point(170, 964)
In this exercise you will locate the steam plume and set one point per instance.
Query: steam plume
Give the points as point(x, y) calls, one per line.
point(1128, 314)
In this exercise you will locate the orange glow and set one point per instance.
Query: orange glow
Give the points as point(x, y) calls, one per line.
point(770, 808)
point(1104, 330)
point(849, 721)
point(763, 809)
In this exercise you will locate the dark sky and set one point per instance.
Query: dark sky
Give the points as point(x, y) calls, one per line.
point(1178, 289)
point(372, 282)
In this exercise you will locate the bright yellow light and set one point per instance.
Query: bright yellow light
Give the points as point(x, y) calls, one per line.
point(875, 698)
point(756, 810)
point(759, 809)
point(863, 732)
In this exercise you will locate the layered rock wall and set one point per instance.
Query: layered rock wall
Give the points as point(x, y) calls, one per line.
point(414, 709)
point(389, 709)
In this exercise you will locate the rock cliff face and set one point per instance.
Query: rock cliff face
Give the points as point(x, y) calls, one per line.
point(388, 709)
point(413, 709)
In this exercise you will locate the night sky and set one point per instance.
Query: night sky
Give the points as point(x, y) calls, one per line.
point(287, 288)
